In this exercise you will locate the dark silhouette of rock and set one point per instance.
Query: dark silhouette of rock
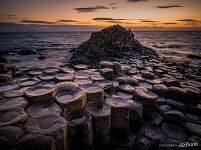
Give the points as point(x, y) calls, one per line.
point(26, 52)
point(107, 44)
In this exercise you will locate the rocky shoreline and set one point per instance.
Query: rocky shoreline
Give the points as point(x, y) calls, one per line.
point(112, 43)
point(131, 102)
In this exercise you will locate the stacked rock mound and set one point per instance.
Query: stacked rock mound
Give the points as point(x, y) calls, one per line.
point(141, 106)
point(5, 71)
point(108, 44)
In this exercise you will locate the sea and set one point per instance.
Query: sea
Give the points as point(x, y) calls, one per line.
point(55, 46)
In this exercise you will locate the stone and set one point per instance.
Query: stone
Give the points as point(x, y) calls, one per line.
point(195, 129)
point(35, 71)
point(176, 104)
point(107, 73)
point(66, 86)
point(153, 133)
point(8, 86)
point(9, 135)
point(96, 78)
point(121, 80)
point(143, 143)
point(12, 103)
point(52, 70)
point(94, 92)
point(177, 93)
point(174, 116)
point(40, 93)
point(124, 95)
point(13, 93)
point(117, 67)
point(132, 82)
point(11, 116)
point(146, 97)
point(35, 142)
point(74, 99)
point(26, 52)
point(82, 81)
point(43, 109)
point(101, 118)
point(27, 81)
point(80, 130)
point(126, 88)
point(80, 67)
point(173, 131)
point(64, 77)
point(193, 96)
point(164, 108)
point(174, 83)
point(146, 85)
point(120, 111)
point(108, 44)
point(51, 125)
point(160, 90)
point(136, 112)
point(147, 75)
point(46, 76)
point(106, 64)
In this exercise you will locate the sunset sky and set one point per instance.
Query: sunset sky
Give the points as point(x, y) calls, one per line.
point(83, 14)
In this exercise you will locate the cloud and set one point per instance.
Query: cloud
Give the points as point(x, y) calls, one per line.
point(188, 20)
point(168, 6)
point(112, 4)
point(134, 1)
point(90, 9)
point(148, 20)
point(169, 23)
point(108, 19)
point(7, 15)
point(83, 22)
point(66, 21)
point(36, 22)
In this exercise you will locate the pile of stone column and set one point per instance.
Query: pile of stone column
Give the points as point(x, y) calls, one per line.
point(115, 106)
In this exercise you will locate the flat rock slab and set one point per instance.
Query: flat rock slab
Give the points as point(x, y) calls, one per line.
point(66, 86)
point(12, 116)
point(153, 133)
point(8, 86)
point(43, 109)
point(12, 103)
point(173, 131)
point(74, 99)
point(174, 115)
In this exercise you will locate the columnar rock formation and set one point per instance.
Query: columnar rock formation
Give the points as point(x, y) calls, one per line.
point(112, 107)
point(109, 43)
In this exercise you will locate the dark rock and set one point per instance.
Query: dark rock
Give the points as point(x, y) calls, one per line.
point(177, 93)
point(147, 75)
point(173, 131)
point(175, 104)
point(195, 129)
point(193, 95)
point(3, 60)
point(170, 83)
point(26, 52)
point(164, 108)
point(107, 44)
point(160, 89)
point(174, 115)
point(194, 56)
point(153, 133)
